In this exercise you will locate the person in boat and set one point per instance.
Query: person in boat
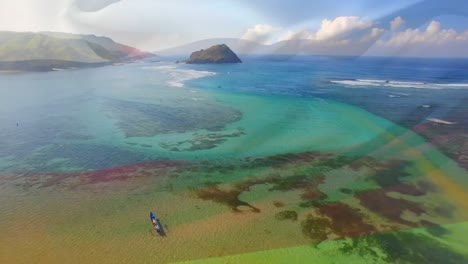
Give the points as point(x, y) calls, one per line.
point(155, 222)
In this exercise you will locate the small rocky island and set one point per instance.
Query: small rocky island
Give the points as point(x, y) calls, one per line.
point(215, 55)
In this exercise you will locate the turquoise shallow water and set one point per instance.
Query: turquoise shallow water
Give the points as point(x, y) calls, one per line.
point(102, 118)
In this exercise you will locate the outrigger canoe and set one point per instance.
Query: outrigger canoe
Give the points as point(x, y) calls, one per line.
point(155, 222)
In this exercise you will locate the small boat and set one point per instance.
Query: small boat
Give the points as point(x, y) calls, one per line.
point(155, 222)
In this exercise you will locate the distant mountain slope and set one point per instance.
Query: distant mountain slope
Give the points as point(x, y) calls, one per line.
point(116, 50)
point(35, 51)
point(239, 46)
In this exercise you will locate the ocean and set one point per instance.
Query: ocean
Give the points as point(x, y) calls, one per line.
point(277, 159)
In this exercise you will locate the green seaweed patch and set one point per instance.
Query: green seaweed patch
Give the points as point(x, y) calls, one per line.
point(346, 191)
point(287, 215)
point(403, 247)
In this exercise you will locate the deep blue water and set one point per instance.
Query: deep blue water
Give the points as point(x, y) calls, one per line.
point(441, 84)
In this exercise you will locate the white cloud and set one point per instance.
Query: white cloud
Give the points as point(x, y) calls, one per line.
point(340, 26)
point(434, 35)
point(260, 33)
point(433, 27)
point(374, 34)
point(432, 41)
point(397, 22)
point(303, 34)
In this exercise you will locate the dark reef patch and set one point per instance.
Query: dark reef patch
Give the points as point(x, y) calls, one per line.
point(201, 142)
point(280, 160)
point(346, 191)
point(390, 172)
point(146, 120)
point(436, 230)
point(446, 210)
point(336, 219)
point(346, 221)
point(403, 247)
point(229, 198)
point(286, 215)
point(406, 189)
point(450, 139)
point(316, 228)
point(122, 173)
point(278, 204)
point(391, 208)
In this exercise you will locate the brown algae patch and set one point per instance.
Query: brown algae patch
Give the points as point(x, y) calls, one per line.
point(391, 208)
point(335, 220)
point(230, 197)
point(156, 169)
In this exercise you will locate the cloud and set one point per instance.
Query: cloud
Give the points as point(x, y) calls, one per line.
point(341, 26)
point(434, 35)
point(260, 33)
point(340, 36)
point(374, 34)
point(432, 41)
point(294, 35)
point(397, 22)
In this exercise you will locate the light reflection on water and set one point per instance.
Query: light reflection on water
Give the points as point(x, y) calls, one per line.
point(74, 184)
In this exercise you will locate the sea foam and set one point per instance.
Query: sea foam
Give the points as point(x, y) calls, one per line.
point(400, 84)
point(179, 76)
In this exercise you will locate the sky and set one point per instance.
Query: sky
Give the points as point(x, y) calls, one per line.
point(371, 27)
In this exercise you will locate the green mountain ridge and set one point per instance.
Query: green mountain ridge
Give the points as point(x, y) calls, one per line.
point(17, 49)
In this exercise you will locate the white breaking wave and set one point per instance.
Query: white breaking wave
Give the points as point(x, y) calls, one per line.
point(179, 76)
point(400, 84)
point(440, 121)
